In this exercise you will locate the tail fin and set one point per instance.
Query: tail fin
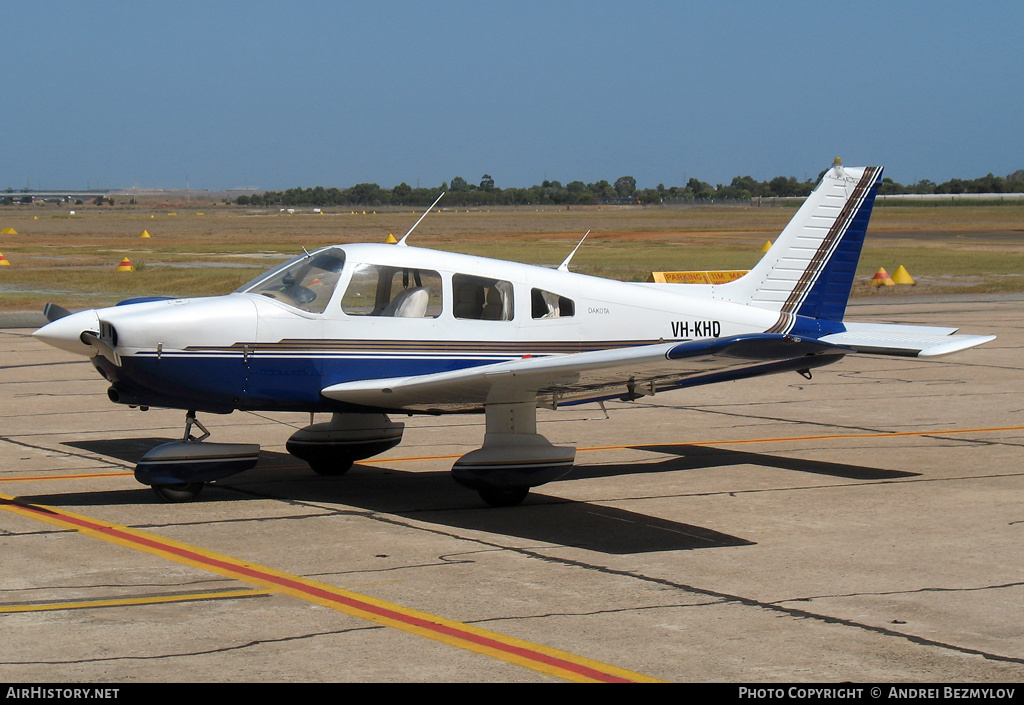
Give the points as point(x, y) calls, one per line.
point(810, 269)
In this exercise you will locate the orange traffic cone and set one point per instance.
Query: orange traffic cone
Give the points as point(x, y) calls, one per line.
point(3, 261)
point(882, 278)
point(126, 266)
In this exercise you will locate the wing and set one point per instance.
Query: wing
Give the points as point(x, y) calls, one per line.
point(591, 376)
point(912, 341)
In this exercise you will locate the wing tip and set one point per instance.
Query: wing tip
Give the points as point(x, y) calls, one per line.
point(961, 342)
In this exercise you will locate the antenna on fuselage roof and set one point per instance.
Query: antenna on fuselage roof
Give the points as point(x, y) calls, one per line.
point(564, 266)
point(402, 241)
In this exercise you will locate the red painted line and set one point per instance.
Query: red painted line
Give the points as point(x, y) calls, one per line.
point(513, 650)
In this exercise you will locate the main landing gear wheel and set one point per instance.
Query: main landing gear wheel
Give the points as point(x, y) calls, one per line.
point(178, 493)
point(331, 448)
point(332, 467)
point(513, 458)
point(504, 497)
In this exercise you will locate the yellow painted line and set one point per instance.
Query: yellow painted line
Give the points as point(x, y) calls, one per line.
point(592, 449)
point(822, 437)
point(131, 601)
point(738, 441)
point(523, 653)
point(414, 458)
point(75, 476)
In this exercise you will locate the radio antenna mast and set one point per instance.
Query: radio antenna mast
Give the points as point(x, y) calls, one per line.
point(564, 266)
point(402, 241)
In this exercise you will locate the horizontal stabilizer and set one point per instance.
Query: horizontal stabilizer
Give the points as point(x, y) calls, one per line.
point(910, 341)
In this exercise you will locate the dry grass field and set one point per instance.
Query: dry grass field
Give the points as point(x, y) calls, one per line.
point(204, 248)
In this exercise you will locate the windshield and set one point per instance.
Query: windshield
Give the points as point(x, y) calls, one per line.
point(306, 282)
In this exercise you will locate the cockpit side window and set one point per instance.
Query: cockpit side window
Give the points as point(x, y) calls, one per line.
point(545, 304)
point(378, 290)
point(483, 299)
point(306, 282)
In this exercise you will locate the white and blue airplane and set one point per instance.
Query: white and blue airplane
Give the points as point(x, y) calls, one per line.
point(362, 331)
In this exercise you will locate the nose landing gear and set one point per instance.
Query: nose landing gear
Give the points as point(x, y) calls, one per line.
point(177, 471)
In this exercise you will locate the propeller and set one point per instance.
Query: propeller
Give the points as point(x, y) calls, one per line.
point(53, 312)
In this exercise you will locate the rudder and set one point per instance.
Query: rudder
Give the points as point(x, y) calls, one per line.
point(809, 271)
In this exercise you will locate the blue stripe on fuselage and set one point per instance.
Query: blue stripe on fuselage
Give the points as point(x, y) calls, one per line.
point(223, 382)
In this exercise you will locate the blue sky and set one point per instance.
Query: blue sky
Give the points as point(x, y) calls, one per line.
point(279, 94)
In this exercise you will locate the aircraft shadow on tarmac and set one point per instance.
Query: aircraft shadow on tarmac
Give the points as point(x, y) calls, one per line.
point(434, 497)
point(692, 457)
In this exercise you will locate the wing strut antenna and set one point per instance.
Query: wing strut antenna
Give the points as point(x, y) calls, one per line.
point(564, 266)
point(402, 241)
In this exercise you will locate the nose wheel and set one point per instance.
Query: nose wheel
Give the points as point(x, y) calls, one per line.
point(177, 493)
point(177, 471)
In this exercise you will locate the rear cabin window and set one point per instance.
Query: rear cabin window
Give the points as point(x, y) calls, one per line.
point(482, 299)
point(377, 290)
point(548, 305)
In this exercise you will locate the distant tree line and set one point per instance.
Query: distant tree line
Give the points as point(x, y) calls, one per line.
point(461, 193)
